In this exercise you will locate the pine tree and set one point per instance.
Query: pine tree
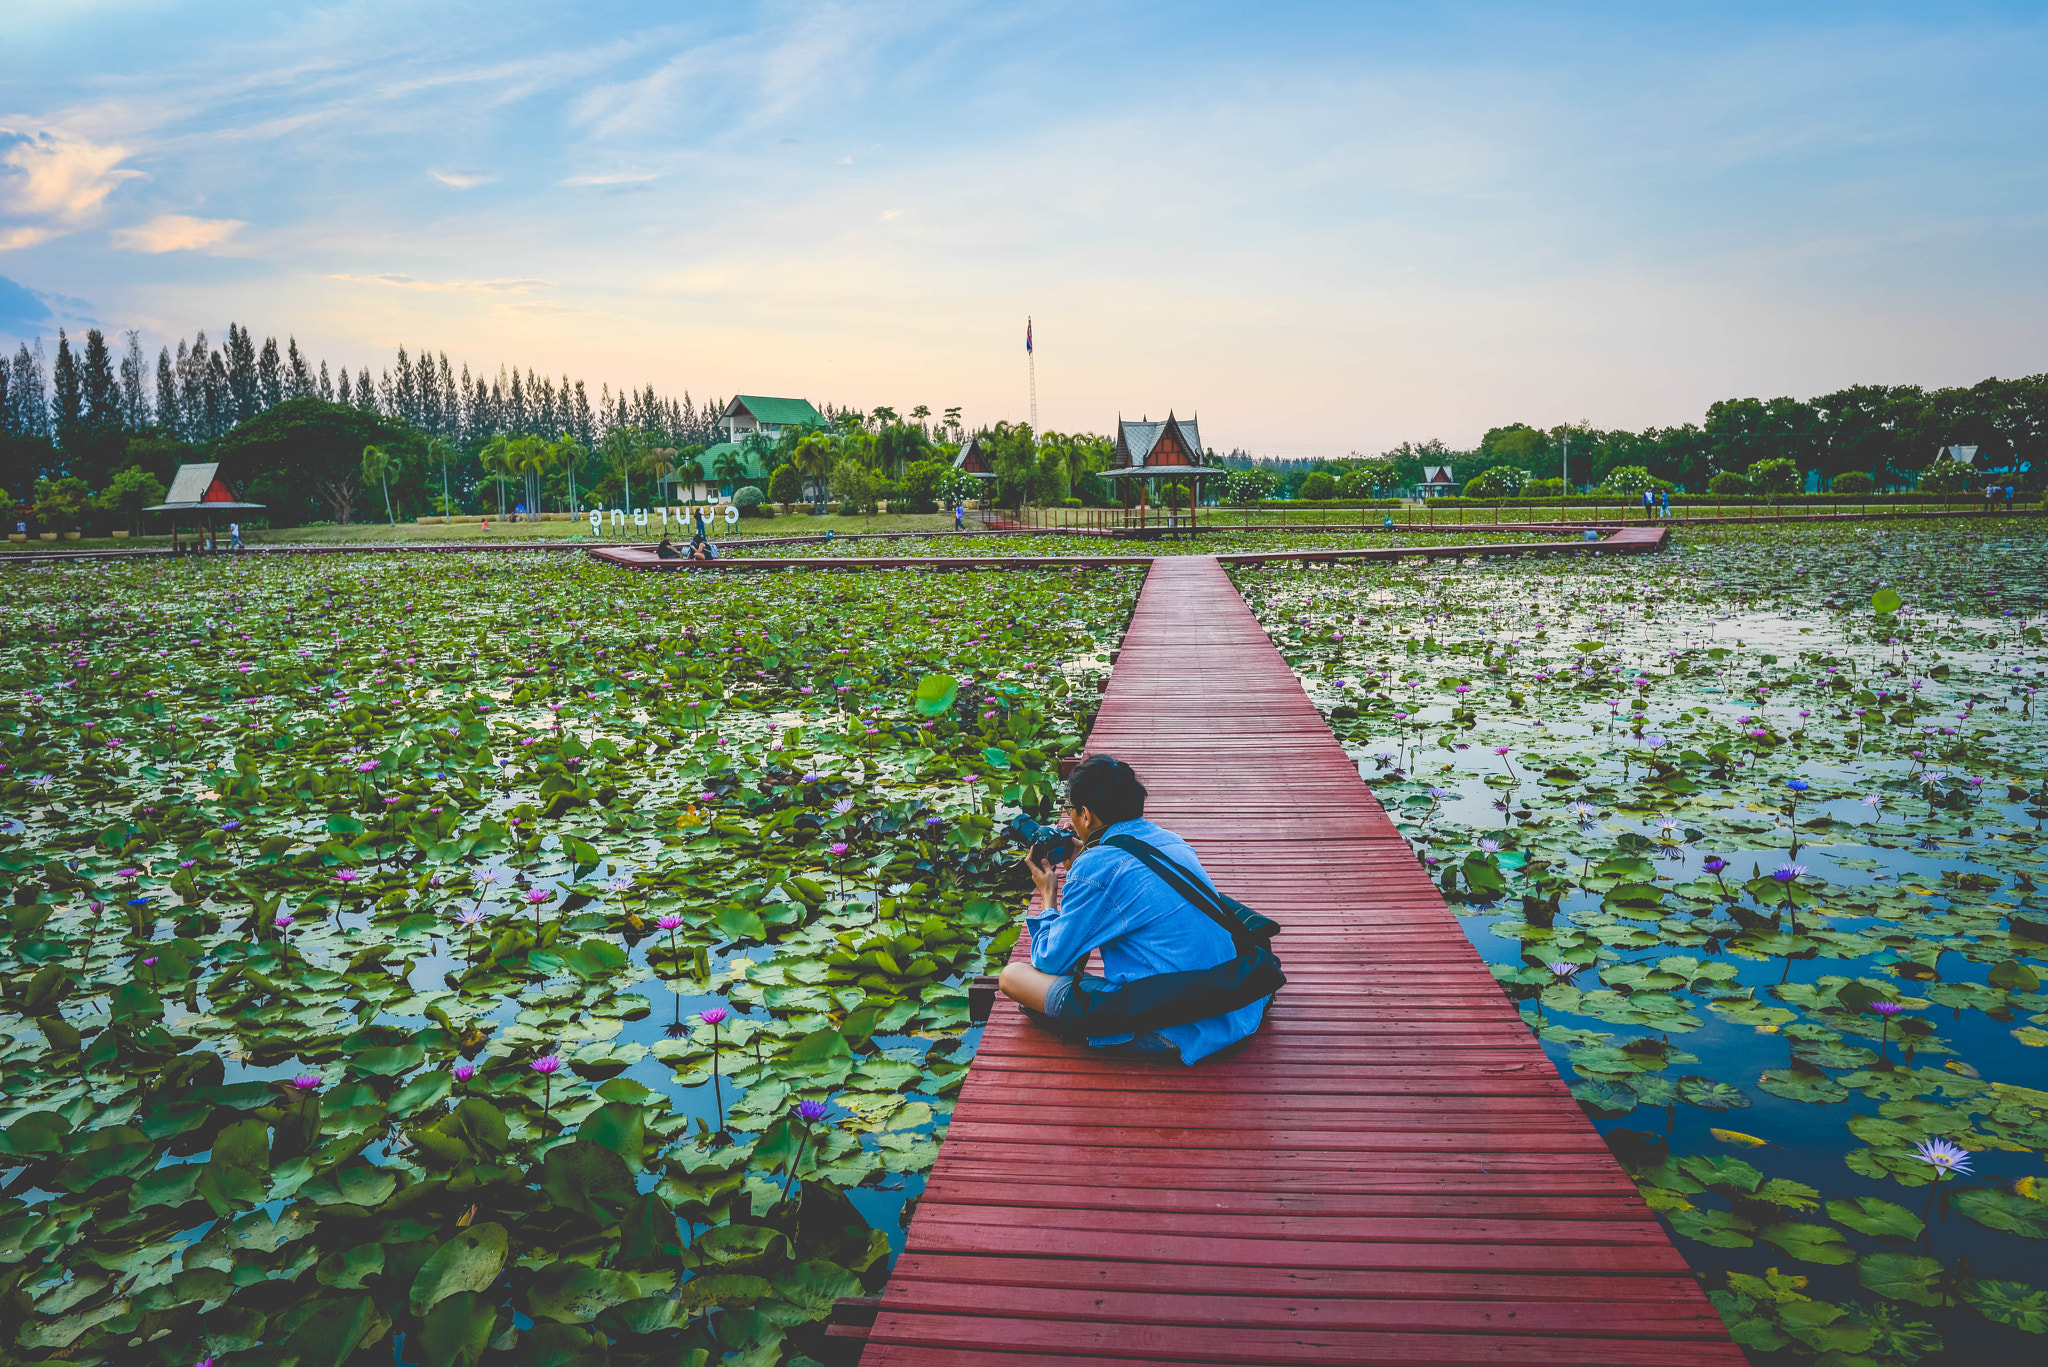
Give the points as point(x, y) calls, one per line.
point(244, 386)
point(402, 392)
point(269, 375)
point(192, 389)
point(366, 393)
point(584, 427)
point(451, 402)
point(220, 397)
point(544, 409)
point(515, 416)
point(346, 396)
point(327, 385)
point(167, 416)
point(299, 378)
point(98, 386)
point(26, 392)
point(67, 401)
point(134, 370)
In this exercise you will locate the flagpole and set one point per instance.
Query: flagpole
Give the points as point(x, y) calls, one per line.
point(1031, 360)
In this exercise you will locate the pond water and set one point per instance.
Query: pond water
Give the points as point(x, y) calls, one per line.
point(1760, 864)
point(497, 952)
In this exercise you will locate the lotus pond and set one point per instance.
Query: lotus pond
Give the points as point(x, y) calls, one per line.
point(498, 956)
point(1217, 541)
point(1752, 832)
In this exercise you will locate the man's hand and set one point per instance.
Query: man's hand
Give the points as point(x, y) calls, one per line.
point(1047, 879)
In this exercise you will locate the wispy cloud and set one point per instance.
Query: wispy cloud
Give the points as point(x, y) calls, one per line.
point(461, 180)
point(613, 178)
point(177, 233)
point(52, 183)
point(450, 286)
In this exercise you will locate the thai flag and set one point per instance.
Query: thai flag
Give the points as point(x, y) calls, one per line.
point(1027, 336)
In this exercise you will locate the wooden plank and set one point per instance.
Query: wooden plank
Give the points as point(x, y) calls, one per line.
point(1390, 1171)
point(1050, 1341)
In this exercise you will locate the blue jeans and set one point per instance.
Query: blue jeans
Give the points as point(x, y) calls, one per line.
point(1060, 996)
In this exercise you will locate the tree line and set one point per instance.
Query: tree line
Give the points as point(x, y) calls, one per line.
point(1897, 435)
point(96, 428)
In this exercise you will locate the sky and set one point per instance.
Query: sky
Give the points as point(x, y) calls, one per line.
point(1322, 228)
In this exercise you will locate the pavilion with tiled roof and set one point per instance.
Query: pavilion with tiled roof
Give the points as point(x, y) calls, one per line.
point(1169, 450)
point(200, 494)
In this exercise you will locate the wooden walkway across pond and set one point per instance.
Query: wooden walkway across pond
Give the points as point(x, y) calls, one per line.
point(1390, 1172)
point(1625, 541)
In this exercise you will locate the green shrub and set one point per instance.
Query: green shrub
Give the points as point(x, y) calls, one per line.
point(1318, 486)
point(1947, 476)
point(1246, 487)
point(1498, 481)
point(130, 491)
point(750, 502)
point(1543, 488)
point(60, 503)
point(1632, 479)
point(1776, 476)
point(1729, 484)
point(1070, 503)
point(1852, 482)
point(786, 485)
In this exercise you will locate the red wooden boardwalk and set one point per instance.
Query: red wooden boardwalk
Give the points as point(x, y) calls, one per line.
point(1390, 1172)
point(1626, 541)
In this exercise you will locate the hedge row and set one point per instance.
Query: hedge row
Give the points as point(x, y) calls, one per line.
point(1636, 501)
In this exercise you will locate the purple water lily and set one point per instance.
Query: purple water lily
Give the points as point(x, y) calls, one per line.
point(1945, 1158)
point(809, 1112)
point(547, 1065)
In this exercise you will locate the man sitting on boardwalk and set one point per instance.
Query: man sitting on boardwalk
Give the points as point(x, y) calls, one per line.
point(1112, 902)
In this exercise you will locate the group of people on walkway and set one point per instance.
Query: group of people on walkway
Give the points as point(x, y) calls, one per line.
point(700, 548)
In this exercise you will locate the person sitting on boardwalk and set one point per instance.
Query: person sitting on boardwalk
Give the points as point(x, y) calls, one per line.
point(667, 550)
point(702, 549)
point(1113, 903)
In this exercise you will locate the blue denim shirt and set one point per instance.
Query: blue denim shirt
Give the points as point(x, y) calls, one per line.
point(1113, 903)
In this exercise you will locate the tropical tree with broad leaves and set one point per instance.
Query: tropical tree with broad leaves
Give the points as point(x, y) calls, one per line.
point(378, 463)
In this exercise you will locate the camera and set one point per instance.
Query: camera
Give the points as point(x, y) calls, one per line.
point(1049, 844)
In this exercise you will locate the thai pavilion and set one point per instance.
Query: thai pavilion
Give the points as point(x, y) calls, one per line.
point(1149, 452)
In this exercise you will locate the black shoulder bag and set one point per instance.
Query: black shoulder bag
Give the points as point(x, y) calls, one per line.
point(1194, 994)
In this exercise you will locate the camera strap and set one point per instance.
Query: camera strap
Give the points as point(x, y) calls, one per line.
point(1246, 928)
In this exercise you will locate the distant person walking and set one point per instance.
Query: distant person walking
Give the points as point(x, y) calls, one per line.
point(1649, 505)
point(959, 516)
point(1664, 496)
point(235, 535)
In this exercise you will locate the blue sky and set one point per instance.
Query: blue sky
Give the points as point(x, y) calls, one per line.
point(1324, 227)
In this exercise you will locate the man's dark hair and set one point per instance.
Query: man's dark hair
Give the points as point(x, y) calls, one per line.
point(1107, 787)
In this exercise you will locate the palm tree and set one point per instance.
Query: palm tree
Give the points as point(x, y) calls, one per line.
point(570, 454)
point(660, 461)
point(378, 464)
point(437, 450)
point(621, 451)
point(533, 459)
point(813, 460)
point(731, 466)
point(496, 459)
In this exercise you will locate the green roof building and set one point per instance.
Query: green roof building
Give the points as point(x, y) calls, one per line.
point(749, 413)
